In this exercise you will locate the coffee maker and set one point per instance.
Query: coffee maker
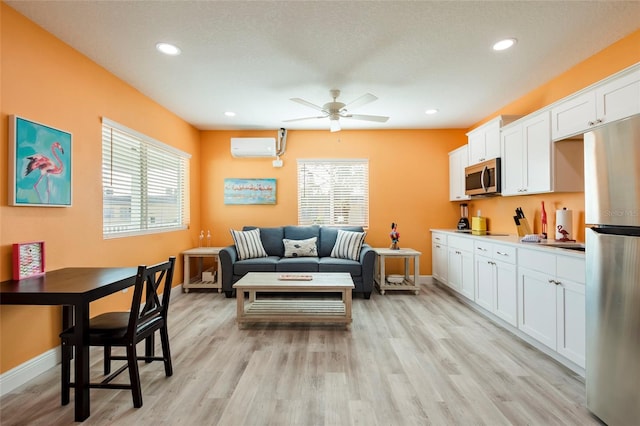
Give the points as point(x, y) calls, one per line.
point(463, 223)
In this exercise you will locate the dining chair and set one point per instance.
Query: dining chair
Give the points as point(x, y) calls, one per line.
point(127, 329)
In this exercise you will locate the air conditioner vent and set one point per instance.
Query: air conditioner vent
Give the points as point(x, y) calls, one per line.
point(253, 147)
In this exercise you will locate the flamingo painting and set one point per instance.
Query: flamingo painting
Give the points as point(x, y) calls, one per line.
point(46, 167)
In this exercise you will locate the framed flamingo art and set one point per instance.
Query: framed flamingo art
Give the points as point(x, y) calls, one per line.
point(39, 164)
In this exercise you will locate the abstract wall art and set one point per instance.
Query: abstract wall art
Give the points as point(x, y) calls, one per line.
point(249, 191)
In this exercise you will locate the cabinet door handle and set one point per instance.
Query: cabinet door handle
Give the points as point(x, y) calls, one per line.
point(502, 254)
point(591, 123)
point(437, 246)
point(481, 249)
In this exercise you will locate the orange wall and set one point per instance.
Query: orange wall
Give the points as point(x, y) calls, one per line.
point(408, 171)
point(45, 80)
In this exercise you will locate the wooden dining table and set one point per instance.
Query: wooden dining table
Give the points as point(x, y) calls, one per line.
point(73, 289)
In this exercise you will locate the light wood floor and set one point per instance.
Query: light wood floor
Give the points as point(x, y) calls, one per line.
point(408, 360)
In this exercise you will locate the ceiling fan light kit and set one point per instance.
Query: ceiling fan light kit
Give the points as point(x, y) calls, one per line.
point(335, 110)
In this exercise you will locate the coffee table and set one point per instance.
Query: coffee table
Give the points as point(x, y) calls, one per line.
point(297, 309)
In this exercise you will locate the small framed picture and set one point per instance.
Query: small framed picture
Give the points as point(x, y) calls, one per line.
point(28, 260)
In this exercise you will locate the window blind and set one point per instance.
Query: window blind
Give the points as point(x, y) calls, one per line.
point(333, 192)
point(145, 183)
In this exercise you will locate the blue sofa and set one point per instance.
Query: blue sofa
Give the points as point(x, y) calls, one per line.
point(362, 270)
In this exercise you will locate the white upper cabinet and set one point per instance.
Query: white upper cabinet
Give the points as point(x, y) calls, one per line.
point(458, 160)
point(484, 141)
point(532, 164)
point(619, 98)
point(614, 98)
point(526, 156)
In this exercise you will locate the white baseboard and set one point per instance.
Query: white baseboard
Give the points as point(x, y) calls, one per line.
point(29, 370)
point(32, 368)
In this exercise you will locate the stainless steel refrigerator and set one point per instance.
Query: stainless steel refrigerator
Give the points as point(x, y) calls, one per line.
point(612, 207)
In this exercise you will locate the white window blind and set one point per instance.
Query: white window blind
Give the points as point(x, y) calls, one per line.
point(333, 192)
point(145, 183)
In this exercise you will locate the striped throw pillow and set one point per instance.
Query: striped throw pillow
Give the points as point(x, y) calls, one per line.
point(248, 244)
point(348, 245)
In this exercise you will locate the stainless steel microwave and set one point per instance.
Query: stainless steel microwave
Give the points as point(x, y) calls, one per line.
point(483, 178)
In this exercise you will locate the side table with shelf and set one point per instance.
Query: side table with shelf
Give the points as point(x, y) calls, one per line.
point(197, 281)
point(408, 283)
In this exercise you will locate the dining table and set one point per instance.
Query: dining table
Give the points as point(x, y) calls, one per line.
point(73, 289)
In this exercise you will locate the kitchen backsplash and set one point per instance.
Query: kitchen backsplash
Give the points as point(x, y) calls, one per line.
point(499, 211)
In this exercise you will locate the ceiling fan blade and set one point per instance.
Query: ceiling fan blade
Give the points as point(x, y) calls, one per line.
point(378, 118)
point(335, 125)
point(303, 118)
point(307, 103)
point(362, 100)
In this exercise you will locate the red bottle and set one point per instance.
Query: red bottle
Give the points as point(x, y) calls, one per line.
point(543, 218)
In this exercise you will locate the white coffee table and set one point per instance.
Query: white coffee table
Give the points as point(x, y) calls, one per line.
point(308, 310)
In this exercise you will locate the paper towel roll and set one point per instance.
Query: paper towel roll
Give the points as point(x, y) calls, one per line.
point(564, 224)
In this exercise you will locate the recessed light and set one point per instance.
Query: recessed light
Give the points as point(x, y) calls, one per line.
point(230, 114)
point(431, 111)
point(168, 49)
point(504, 44)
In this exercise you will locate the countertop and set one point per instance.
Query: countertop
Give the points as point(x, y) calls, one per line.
point(549, 245)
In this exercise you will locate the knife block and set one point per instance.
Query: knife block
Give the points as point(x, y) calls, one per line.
point(524, 228)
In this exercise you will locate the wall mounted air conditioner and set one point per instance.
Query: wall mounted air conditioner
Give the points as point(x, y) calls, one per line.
point(253, 147)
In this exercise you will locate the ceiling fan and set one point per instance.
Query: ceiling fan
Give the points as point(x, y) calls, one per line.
point(335, 110)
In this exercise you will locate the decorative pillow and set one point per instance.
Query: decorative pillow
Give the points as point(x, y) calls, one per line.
point(348, 245)
point(248, 244)
point(300, 248)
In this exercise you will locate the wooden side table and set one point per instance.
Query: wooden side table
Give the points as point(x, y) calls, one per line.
point(407, 283)
point(197, 281)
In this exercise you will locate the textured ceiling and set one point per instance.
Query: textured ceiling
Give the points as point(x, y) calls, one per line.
point(251, 57)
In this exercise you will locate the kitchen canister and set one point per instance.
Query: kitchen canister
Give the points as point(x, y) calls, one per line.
point(564, 224)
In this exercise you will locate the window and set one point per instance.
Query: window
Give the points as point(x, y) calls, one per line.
point(333, 192)
point(144, 184)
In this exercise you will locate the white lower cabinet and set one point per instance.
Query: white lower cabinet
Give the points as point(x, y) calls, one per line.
point(551, 302)
point(537, 303)
point(460, 262)
point(495, 280)
point(506, 305)
point(541, 292)
point(571, 321)
point(439, 259)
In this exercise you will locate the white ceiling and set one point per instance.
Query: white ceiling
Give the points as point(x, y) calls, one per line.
point(251, 57)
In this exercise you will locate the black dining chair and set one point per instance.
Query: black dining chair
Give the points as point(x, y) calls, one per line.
point(127, 329)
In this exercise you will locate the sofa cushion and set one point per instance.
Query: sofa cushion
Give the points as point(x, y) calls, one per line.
point(301, 232)
point(271, 239)
point(328, 235)
point(331, 264)
point(298, 264)
point(300, 248)
point(248, 244)
point(262, 264)
point(348, 245)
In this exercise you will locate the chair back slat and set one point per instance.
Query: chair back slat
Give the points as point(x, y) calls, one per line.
point(154, 277)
